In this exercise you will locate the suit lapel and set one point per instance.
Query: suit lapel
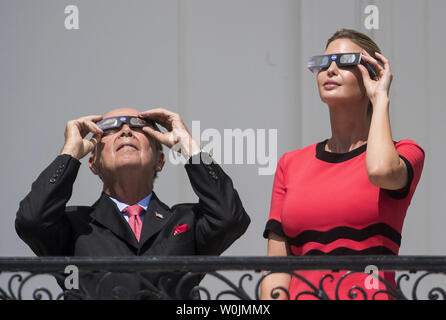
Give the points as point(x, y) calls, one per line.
point(107, 214)
point(156, 216)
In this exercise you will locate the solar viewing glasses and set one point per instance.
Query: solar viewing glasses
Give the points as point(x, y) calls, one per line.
point(115, 123)
point(316, 63)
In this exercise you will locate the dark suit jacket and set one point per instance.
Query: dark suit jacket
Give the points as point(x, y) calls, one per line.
point(51, 228)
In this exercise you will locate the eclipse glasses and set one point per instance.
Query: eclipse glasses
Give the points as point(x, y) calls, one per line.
point(133, 122)
point(316, 63)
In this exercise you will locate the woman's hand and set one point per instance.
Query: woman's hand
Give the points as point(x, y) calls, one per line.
point(379, 87)
point(177, 135)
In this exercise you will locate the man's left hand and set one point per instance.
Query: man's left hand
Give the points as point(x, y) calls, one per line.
point(177, 135)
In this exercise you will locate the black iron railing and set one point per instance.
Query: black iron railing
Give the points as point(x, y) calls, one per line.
point(416, 277)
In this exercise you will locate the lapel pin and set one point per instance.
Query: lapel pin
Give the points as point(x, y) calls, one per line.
point(159, 215)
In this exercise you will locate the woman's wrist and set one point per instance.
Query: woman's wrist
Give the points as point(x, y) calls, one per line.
point(381, 100)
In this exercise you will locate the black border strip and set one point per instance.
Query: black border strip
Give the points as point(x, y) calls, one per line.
point(403, 193)
point(274, 226)
point(333, 157)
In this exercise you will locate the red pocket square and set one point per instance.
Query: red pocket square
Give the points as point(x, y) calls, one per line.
point(180, 229)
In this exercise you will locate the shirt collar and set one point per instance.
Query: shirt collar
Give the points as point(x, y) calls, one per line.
point(144, 203)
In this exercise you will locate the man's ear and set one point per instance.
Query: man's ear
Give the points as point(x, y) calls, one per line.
point(92, 165)
point(160, 161)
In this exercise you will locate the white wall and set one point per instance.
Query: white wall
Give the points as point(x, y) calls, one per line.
point(239, 69)
point(243, 65)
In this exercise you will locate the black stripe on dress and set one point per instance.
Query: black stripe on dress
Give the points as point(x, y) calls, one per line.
point(343, 251)
point(337, 233)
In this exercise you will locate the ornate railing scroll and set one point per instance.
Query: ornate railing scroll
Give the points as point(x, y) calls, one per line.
point(416, 277)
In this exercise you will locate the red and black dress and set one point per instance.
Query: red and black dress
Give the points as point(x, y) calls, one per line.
point(324, 204)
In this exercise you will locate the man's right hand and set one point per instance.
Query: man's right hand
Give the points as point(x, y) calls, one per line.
point(75, 132)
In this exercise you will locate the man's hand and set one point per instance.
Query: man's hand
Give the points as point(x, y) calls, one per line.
point(177, 135)
point(75, 143)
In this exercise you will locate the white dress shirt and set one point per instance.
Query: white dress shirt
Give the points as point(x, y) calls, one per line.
point(144, 203)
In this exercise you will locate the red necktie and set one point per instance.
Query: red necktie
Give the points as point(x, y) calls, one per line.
point(134, 219)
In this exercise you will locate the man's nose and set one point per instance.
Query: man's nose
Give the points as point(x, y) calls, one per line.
point(126, 131)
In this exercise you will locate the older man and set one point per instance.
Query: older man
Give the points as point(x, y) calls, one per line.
point(129, 219)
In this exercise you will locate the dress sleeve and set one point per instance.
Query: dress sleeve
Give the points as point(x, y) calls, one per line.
point(274, 222)
point(413, 156)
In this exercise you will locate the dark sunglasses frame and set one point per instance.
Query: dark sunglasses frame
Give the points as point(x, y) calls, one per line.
point(132, 121)
point(317, 63)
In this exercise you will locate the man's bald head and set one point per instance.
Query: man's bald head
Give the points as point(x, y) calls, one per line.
point(126, 147)
point(122, 112)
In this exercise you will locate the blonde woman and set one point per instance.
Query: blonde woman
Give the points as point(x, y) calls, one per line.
point(346, 195)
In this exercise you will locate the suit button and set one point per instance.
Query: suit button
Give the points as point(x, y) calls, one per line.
point(52, 180)
point(213, 175)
